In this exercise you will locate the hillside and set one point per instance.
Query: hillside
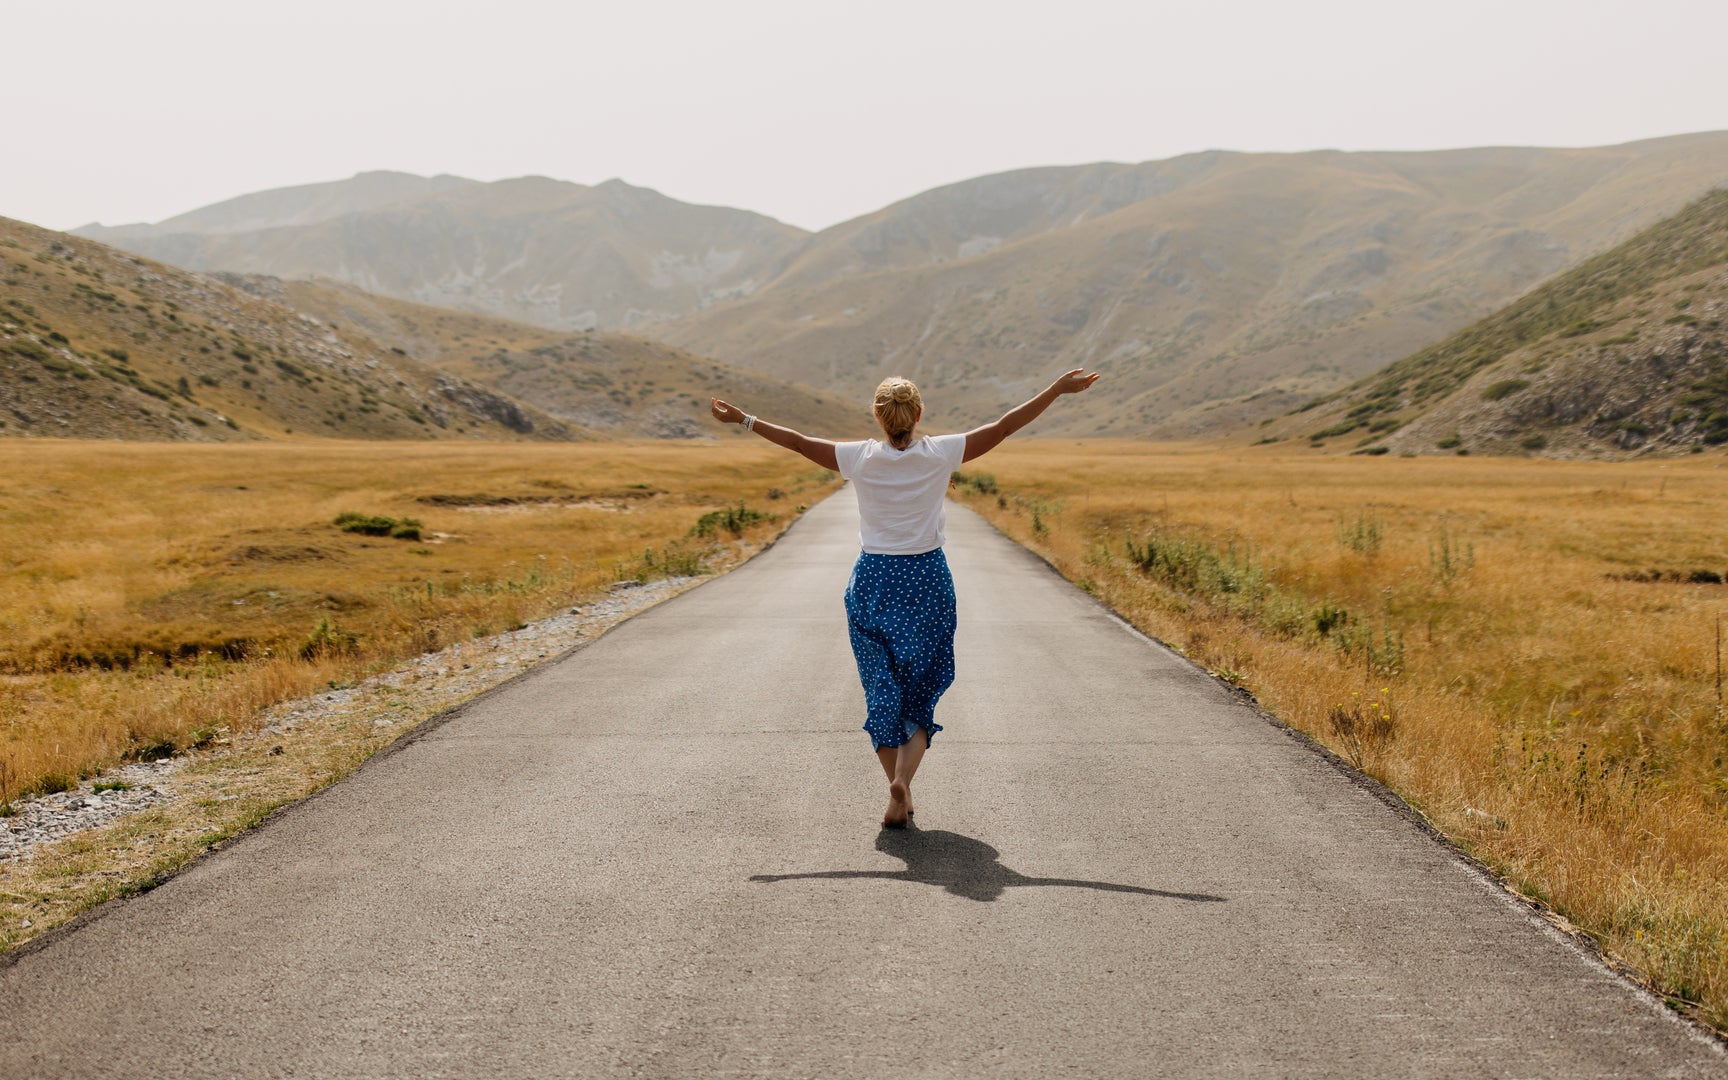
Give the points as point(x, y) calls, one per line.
point(609, 383)
point(560, 255)
point(1214, 289)
point(96, 343)
point(1625, 354)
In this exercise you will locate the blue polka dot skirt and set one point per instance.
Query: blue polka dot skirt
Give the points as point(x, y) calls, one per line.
point(901, 613)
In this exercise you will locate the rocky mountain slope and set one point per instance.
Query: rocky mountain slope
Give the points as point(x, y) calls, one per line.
point(1214, 289)
point(98, 343)
point(612, 384)
point(1625, 354)
point(561, 255)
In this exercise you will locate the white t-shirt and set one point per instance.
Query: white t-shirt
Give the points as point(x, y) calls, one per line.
point(900, 492)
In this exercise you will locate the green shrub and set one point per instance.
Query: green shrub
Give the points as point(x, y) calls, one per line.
point(1336, 429)
point(327, 639)
point(378, 525)
point(982, 483)
point(1537, 441)
point(26, 348)
point(1450, 442)
point(733, 519)
point(51, 783)
point(1505, 388)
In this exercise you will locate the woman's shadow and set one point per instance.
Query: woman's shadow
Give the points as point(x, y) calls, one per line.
point(965, 867)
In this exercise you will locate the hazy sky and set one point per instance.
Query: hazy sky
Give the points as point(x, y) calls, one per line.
point(808, 111)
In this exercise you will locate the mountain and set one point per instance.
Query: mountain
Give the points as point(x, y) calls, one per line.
point(560, 255)
point(611, 384)
point(1625, 354)
point(98, 343)
point(283, 207)
point(1213, 289)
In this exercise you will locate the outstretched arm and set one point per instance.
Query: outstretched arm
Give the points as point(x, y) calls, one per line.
point(980, 441)
point(821, 451)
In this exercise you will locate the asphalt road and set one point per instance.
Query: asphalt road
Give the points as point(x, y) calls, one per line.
point(659, 856)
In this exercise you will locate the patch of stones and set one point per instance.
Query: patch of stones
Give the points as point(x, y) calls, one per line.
point(418, 689)
point(47, 818)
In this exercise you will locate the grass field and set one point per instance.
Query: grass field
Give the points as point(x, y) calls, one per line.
point(1528, 651)
point(154, 595)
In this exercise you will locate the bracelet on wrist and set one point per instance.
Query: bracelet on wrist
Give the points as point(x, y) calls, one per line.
point(749, 422)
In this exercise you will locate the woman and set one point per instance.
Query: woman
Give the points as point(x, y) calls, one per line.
point(900, 600)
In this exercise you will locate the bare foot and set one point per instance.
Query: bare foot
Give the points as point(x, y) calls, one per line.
point(899, 806)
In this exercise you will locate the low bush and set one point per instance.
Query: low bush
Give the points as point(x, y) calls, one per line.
point(378, 525)
point(733, 519)
point(1336, 429)
point(1505, 388)
point(327, 640)
point(982, 483)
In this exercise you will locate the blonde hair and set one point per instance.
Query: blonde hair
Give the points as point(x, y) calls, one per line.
point(897, 409)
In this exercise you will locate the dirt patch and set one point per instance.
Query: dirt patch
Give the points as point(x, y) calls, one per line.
point(280, 553)
point(620, 501)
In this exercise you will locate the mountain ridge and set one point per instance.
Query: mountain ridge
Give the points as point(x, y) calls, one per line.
point(99, 343)
point(1219, 288)
point(1248, 286)
point(510, 247)
point(1625, 354)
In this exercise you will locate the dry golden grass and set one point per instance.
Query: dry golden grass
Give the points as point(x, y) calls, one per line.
point(235, 782)
point(153, 596)
point(1561, 722)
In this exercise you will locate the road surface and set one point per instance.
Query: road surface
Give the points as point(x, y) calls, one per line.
point(659, 856)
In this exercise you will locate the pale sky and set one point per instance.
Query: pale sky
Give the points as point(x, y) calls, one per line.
point(811, 112)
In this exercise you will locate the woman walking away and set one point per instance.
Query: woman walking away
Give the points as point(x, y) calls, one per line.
point(900, 600)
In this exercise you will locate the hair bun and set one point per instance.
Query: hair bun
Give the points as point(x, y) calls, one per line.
point(902, 391)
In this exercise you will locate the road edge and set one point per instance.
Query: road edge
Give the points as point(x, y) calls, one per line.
point(136, 890)
point(1541, 915)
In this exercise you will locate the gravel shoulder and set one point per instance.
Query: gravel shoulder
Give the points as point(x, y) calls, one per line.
point(125, 831)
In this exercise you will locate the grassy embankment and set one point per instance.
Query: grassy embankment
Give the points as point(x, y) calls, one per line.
point(156, 596)
point(1527, 651)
